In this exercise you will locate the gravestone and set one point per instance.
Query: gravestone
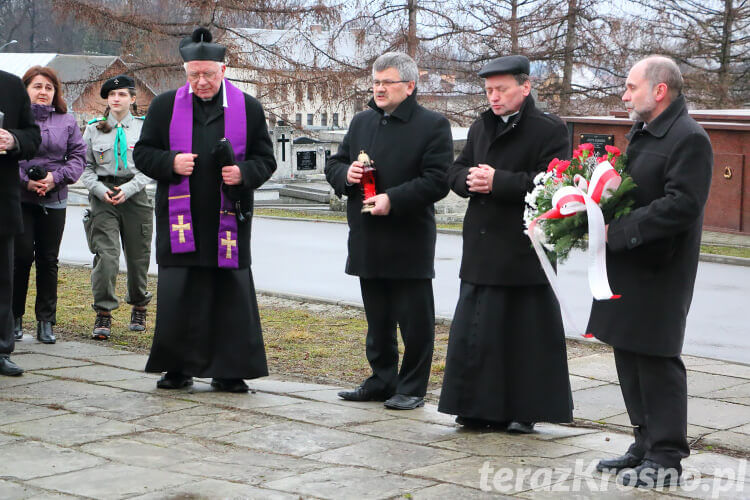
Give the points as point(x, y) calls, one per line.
point(307, 160)
point(310, 156)
point(282, 136)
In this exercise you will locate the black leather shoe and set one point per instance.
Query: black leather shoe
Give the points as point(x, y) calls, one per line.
point(9, 368)
point(44, 332)
point(480, 423)
point(18, 328)
point(521, 427)
point(172, 380)
point(615, 465)
point(403, 402)
point(363, 394)
point(650, 474)
point(229, 385)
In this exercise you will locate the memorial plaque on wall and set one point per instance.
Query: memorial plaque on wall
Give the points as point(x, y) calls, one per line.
point(306, 160)
point(599, 141)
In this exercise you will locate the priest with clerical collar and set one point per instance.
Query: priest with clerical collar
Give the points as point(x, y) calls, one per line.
point(506, 365)
point(207, 322)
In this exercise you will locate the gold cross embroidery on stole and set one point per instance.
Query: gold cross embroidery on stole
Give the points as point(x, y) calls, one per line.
point(229, 243)
point(181, 226)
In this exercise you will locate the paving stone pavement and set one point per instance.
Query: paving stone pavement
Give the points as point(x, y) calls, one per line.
point(85, 421)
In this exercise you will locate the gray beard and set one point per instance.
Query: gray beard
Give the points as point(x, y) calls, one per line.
point(635, 116)
point(644, 116)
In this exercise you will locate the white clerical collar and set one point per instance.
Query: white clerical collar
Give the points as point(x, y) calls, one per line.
point(224, 93)
point(505, 118)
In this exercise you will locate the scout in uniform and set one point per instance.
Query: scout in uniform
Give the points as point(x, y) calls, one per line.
point(120, 208)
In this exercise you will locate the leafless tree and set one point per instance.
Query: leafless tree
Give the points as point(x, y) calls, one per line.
point(711, 40)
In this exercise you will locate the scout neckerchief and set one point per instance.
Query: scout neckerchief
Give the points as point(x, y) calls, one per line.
point(181, 139)
point(121, 148)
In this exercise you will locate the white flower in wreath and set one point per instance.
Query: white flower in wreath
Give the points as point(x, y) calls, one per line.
point(530, 198)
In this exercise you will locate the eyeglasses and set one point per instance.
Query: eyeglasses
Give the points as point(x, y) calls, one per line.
point(387, 83)
point(195, 76)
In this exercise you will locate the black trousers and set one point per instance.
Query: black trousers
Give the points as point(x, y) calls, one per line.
point(409, 304)
point(655, 393)
point(7, 339)
point(39, 243)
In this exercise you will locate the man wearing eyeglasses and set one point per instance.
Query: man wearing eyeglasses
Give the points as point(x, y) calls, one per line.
point(392, 248)
point(207, 322)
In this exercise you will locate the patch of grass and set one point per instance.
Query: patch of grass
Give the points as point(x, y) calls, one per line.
point(729, 251)
point(300, 214)
point(299, 342)
point(326, 216)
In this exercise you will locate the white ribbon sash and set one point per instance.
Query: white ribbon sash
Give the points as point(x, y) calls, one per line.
point(568, 201)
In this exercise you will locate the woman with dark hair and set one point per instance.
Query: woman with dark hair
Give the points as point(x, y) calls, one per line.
point(45, 178)
point(120, 208)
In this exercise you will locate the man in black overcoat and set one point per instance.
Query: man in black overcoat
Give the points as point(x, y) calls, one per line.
point(392, 248)
point(207, 322)
point(19, 140)
point(652, 258)
point(506, 366)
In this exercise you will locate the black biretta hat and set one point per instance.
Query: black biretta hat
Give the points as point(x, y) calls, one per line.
point(198, 47)
point(118, 82)
point(506, 65)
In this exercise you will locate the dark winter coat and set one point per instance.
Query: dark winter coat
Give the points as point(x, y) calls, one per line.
point(652, 253)
point(412, 150)
point(154, 158)
point(18, 120)
point(62, 152)
point(495, 249)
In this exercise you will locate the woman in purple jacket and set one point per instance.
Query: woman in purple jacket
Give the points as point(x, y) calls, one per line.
point(44, 179)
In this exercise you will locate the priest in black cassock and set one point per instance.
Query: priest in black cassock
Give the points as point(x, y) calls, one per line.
point(207, 322)
point(506, 365)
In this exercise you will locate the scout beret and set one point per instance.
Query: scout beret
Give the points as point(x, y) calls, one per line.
point(506, 65)
point(198, 47)
point(118, 82)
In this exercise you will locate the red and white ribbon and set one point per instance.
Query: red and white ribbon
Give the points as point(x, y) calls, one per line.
point(568, 201)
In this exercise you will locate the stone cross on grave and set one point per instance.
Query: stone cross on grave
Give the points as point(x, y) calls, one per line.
point(283, 140)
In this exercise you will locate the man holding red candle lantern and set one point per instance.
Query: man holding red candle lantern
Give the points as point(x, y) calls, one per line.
point(392, 241)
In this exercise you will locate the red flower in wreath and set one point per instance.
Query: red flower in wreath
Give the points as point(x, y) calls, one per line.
point(553, 164)
point(614, 151)
point(561, 167)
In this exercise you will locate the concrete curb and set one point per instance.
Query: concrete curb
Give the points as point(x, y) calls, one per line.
point(725, 259)
point(440, 320)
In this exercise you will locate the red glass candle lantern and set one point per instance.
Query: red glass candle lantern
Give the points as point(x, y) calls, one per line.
point(368, 179)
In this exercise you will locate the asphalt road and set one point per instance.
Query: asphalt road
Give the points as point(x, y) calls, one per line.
point(307, 258)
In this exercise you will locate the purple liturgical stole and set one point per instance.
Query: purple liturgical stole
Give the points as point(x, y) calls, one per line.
point(181, 139)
